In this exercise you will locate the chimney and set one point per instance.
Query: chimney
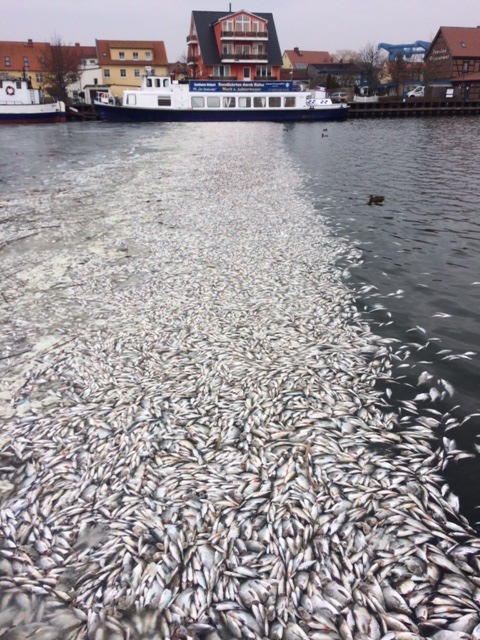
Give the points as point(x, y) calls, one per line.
point(30, 42)
point(297, 51)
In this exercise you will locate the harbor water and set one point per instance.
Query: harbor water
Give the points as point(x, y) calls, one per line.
point(237, 398)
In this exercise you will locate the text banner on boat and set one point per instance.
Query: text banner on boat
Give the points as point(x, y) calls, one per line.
point(220, 86)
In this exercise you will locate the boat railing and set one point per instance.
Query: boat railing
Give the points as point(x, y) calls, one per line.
point(15, 103)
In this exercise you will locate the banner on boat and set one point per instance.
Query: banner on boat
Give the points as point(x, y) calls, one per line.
point(219, 86)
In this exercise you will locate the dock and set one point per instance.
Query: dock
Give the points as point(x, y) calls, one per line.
point(413, 108)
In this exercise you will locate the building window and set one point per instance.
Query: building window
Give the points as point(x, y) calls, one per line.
point(227, 49)
point(39, 77)
point(465, 67)
point(258, 26)
point(123, 73)
point(263, 71)
point(227, 25)
point(121, 55)
point(242, 49)
point(25, 61)
point(242, 23)
point(6, 61)
point(148, 55)
point(258, 49)
point(106, 73)
point(221, 71)
point(135, 55)
point(136, 73)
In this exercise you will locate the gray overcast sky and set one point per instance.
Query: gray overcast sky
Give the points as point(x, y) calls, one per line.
point(327, 25)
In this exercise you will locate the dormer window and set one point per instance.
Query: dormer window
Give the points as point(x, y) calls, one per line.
point(242, 23)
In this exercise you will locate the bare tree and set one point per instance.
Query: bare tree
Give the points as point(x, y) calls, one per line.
point(398, 71)
point(404, 72)
point(370, 62)
point(345, 56)
point(61, 67)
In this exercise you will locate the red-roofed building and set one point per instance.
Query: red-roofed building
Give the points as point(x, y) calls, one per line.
point(454, 56)
point(298, 59)
point(29, 57)
point(123, 62)
point(233, 45)
point(19, 57)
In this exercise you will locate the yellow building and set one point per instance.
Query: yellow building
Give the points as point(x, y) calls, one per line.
point(122, 62)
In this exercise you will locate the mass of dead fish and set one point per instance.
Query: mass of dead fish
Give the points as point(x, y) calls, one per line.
point(193, 443)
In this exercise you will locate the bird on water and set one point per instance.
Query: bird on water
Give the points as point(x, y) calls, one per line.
point(375, 199)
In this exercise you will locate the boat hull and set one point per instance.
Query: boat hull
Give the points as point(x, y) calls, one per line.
point(112, 113)
point(32, 114)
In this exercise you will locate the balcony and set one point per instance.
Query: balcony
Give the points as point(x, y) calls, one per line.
point(224, 78)
point(244, 35)
point(192, 39)
point(244, 57)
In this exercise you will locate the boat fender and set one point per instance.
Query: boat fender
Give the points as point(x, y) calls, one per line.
point(10, 91)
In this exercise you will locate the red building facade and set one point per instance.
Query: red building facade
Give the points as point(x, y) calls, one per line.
point(233, 46)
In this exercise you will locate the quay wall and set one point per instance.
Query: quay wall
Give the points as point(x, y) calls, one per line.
point(414, 109)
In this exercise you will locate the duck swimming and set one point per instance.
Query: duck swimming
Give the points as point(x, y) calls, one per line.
point(375, 199)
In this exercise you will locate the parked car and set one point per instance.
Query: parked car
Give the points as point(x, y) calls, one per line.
point(417, 92)
point(339, 96)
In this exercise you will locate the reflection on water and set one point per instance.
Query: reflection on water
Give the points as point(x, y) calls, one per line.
point(420, 277)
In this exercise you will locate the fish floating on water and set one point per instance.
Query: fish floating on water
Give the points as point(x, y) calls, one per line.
point(208, 455)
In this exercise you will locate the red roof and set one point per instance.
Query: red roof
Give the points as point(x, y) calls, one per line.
point(17, 51)
point(156, 46)
point(463, 42)
point(297, 56)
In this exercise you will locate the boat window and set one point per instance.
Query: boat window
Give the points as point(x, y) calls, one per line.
point(289, 102)
point(131, 99)
point(149, 82)
point(157, 82)
point(213, 102)
point(244, 103)
point(198, 102)
point(229, 102)
point(164, 102)
point(259, 101)
point(165, 82)
point(274, 102)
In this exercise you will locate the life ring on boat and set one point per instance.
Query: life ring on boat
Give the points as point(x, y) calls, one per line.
point(10, 91)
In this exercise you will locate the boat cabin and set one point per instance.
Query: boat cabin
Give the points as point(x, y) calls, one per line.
point(17, 91)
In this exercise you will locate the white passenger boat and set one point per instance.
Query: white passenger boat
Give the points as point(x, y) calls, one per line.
point(160, 99)
point(20, 104)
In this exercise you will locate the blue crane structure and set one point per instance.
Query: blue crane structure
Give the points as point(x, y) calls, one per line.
point(404, 50)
